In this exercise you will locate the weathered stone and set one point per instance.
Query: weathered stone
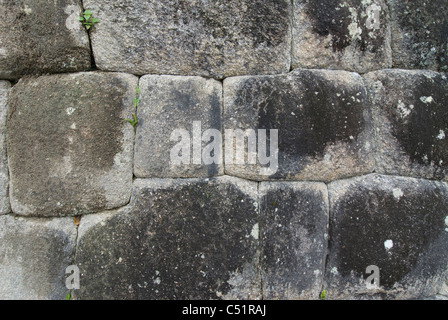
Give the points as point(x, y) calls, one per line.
point(352, 34)
point(419, 34)
point(178, 239)
point(411, 121)
point(34, 256)
point(293, 234)
point(42, 36)
point(191, 37)
point(169, 103)
point(323, 127)
point(4, 176)
point(397, 224)
point(69, 148)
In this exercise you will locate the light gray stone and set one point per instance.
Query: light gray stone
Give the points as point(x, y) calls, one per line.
point(34, 256)
point(69, 148)
point(191, 37)
point(411, 122)
point(169, 103)
point(397, 224)
point(4, 176)
point(324, 130)
point(419, 31)
point(353, 35)
point(294, 237)
point(42, 36)
point(178, 239)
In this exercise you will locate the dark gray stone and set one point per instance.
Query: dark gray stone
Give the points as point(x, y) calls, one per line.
point(42, 36)
point(34, 255)
point(323, 124)
point(69, 148)
point(399, 225)
point(419, 34)
point(353, 35)
point(169, 103)
point(178, 239)
point(294, 237)
point(411, 121)
point(190, 37)
point(4, 176)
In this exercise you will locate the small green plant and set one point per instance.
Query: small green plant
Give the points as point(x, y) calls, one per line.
point(134, 120)
point(322, 295)
point(87, 20)
point(68, 296)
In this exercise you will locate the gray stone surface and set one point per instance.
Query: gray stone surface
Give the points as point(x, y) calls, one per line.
point(411, 121)
point(178, 239)
point(4, 176)
point(34, 255)
point(352, 35)
point(169, 103)
point(204, 38)
point(399, 225)
point(42, 36)
point(419, 34)
point(324, 131)
point(294, 237)
point(69, 148)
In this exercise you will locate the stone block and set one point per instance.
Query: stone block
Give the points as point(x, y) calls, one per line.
point(34, 256)
point(42, 36)
point(324, 131)
point(419, 31)
point(202, 38)
point(353, 35)
point(178, 239)
point(69, 148)
point(399, 225)
point(4, 175)
point(294, 237)
point(168, 105)
point(411, 122)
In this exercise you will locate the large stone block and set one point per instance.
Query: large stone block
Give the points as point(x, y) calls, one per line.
point(419, 30)
point(42, 36)
point(178, 239)
point(191, 37)
point(69, 148)
point(397, 224)
point(294, 237)
point(34, 256)
point(322, 120)
point(169, 105)
point(352, 35)
point(411, 122)
point(4, 176)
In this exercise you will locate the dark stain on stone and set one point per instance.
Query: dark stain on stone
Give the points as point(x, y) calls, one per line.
point(175, 244)
point(366, 218)
point(418, 132)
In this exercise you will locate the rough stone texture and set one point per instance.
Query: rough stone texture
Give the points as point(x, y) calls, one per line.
point(42, 36)
point(293, 233)
point(191, 37)
point(77, 154)
point(324, 130)
point(398, 224)
point(4, 176)
point(34, 255)
point(419, 34)
point(169, 103)
point(352, 35)
point(411, 121)
point(178, 239)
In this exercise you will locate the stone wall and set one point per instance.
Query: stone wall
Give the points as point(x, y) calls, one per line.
point(356, 175)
